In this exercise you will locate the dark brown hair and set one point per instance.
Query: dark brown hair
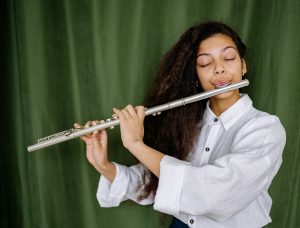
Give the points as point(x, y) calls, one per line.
point(175, 132)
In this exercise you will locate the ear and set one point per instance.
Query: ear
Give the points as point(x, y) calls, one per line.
point(244, 67)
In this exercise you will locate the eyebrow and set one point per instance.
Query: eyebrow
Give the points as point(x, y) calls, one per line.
point(224, 49)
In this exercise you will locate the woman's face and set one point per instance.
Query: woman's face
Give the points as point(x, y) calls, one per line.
point(219, 64)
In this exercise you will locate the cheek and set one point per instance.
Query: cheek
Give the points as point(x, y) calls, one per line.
point(234, 68)
point(204, 73)
point(204, 78)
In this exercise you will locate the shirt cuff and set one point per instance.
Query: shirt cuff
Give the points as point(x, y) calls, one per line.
point(170, 185)
point(111, 194)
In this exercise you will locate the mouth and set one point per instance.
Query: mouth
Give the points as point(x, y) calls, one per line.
point(222, 85)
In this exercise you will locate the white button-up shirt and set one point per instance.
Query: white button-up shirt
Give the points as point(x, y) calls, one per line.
point(225, 181)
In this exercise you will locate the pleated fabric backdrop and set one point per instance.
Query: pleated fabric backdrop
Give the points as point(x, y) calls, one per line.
point(66, 61)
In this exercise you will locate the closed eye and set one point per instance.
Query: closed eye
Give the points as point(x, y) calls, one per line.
point(230, 59)
point(204, 65)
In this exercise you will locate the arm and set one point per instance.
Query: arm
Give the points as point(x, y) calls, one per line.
point(231, 183)
point(124, 187)
point(117, 182)
point(132, 133)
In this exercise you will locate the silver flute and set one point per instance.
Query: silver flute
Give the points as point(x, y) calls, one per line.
point(110, 123)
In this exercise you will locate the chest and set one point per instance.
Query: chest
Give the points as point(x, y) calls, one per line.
point(214, 142)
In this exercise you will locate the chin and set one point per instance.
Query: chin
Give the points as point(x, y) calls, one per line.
point(227, 95)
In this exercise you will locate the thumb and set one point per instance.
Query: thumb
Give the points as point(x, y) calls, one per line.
point(96, 142)
point(103, 137)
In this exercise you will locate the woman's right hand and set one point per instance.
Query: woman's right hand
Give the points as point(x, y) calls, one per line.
point(96, 147)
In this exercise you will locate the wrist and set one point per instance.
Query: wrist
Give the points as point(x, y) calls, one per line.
point(108, 170)
point(105, 166)
point(136, 146)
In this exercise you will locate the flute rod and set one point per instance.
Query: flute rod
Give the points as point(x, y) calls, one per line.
point(109, 123)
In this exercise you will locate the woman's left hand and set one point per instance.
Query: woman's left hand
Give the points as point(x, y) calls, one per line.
point(131, 124)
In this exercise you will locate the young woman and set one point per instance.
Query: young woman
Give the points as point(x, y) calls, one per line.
point(210, 163)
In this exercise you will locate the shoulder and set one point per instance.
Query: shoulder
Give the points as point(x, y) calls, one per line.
point(260, 127)
point(264, 120)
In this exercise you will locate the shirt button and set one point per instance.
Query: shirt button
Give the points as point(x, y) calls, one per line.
point(207, 149)
point(192, 221)
point(216, 119)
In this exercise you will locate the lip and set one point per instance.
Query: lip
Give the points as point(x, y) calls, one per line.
point(221, 84)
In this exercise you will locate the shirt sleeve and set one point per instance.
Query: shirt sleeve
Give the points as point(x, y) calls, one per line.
point(124, 187)
point(229, 184)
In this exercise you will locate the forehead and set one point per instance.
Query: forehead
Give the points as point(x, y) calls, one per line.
point(218, 41)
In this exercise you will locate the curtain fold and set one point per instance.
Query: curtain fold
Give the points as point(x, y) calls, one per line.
point(72, 61)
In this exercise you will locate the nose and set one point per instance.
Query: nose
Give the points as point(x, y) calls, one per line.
point(219, 69)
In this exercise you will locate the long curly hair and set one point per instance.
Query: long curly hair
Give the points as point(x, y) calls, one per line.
point(175, 132)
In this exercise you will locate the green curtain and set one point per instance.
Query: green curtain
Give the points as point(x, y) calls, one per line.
point(66, 61)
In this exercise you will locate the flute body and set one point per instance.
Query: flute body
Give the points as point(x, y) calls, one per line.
point(109, 123)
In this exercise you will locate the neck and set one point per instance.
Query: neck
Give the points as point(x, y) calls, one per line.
point(220, 105)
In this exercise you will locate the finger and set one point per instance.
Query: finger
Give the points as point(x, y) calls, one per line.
point(131, 110)
point(85, 138)
point(100, 136)
point(95, 122)
point(140, 112)
point(126, 112)
point(119, 114)
point(95, 136)
point(103, 137)
point(77, 125)
point(88, 124)
point(96, 143)
point(90, 158)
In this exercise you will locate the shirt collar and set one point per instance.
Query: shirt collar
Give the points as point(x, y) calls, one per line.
point(232, 114)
